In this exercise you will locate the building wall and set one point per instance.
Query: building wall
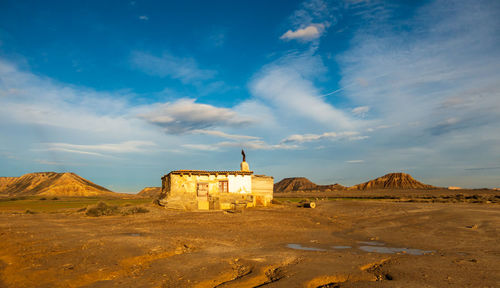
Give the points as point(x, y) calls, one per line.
point(181, 191)
point(262, 189)
point(241, 184)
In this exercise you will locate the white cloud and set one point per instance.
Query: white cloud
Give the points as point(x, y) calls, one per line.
point(184, 69)
point(361, 110)
point(202, 147)
point(185, 115)
point(308, 33)
point(30, 99)
point(144, 17)
point(287, 83)
point(66, 124)
point(123, 147)
point(355, 161)
point(360, 137)
point(223, 134)
point(433, 80)
point(446, 67)
point(301, 138)
point(71, 151)
point(252, 145)
point(262, 114)
point(371, 129)
point(257, 145)
point(48, 162)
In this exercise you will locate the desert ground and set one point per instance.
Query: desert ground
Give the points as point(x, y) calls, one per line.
point(340, 243)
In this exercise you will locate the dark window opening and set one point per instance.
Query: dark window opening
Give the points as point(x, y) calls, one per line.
point(223, 187)
point(202, 189)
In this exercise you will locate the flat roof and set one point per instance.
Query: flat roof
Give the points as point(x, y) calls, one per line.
point(202, 172)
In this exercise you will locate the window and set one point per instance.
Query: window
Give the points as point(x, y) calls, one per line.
point(202, 189)
point(223, 187)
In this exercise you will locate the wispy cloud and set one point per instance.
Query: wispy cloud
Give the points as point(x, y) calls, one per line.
point(360, 110)
point(313, 17)
point(355, 161)
point(313, 11)
point(442, 75)
point(185, 115)
point(202, 147)
point(123, 147)
point(53, 163)
point(224, 135)
point(30, 99)
point(482, 168)
point(301, 138)
point(433, 79)
point(144, 17)
point(184, 69)
point(251, 145)
point(258, 145)
point(49, 120)
point(287, 83)
point(75, 151)
point(98, 150)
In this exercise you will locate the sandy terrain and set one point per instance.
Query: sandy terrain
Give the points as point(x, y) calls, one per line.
point(459, 243)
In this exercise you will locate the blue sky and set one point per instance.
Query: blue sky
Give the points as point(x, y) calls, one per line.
point(122, 92)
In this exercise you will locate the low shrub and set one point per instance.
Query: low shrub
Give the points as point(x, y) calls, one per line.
point(43, 198)
point(14, 198)
point(55, 198)
point(30, 212)
point(101, 209)
point(276, 201)
point(134, 210)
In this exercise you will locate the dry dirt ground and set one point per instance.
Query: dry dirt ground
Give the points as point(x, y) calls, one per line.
point(459, 243)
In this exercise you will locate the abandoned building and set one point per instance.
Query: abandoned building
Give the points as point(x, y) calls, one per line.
point(216, 190)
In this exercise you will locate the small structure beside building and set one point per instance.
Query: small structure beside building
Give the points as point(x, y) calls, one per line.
point(216, 190)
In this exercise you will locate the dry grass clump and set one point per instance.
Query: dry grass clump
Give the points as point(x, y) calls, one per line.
point(103, 209)
point(133, 210)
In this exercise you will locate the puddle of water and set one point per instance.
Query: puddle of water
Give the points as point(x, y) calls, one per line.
point(300, 247)
point(134, 234)
point(341, 247)
point(374, 247)
point(371, 243)
point(393, 250)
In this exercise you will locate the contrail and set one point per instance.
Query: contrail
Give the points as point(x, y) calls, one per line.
point(351, 84)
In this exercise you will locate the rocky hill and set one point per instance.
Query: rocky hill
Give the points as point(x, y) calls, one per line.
point(150, 192)
point(51, 184)
point(392, 181)
point(293, 184)
point(302, 184)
